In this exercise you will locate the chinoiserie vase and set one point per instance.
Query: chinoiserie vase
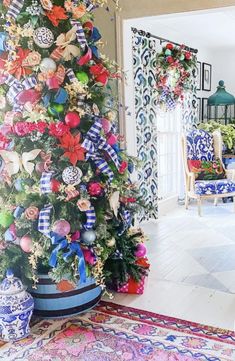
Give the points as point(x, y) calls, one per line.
point(16, 309)
point(49, 302)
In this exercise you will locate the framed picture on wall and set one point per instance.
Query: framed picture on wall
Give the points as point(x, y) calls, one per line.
point(199, 75)
point(206, 76)
point(204, 108)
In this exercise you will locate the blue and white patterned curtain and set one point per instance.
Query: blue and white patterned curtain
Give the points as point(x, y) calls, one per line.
point(144, 62)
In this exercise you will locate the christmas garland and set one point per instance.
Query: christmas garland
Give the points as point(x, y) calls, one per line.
point(174, 68)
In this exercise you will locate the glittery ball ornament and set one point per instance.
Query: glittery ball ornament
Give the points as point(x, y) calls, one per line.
point(72, 175)
point(61, 227)
point(6, 219)
point(140, 250)
point(43, 37)
point(26, 244)
point(88, 237)
point(48, 64)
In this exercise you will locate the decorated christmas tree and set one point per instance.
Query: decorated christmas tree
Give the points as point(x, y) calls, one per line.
point(67, 202)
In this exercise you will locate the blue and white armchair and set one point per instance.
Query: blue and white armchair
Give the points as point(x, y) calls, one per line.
point(201, 145)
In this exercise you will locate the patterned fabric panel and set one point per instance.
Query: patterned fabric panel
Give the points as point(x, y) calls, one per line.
point(200, 145)
point(144, 66)
point(214, 187)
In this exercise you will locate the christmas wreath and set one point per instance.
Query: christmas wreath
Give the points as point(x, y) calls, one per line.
point(175, 65)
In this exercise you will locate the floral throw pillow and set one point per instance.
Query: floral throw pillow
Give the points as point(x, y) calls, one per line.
point(207, 170)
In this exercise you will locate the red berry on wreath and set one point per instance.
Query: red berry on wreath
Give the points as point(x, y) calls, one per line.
point(170, 59)
point(169, 46)
point(187, 55)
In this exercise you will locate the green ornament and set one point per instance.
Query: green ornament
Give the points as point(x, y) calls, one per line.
point(82, 77)
point(55, 109)
point(168, 52)
point(182, 57)
point(6, 219)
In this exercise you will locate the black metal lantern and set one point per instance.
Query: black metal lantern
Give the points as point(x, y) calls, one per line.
point(221, 105)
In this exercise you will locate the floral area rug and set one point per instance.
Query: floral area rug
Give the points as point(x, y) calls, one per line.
point(115, 333)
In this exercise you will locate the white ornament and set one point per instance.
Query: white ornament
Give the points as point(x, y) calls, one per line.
point(72, 175)
point(43, 37)
point(48, 64)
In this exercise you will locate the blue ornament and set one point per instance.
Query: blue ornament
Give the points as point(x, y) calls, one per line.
point(88, 237)
point(18, 212)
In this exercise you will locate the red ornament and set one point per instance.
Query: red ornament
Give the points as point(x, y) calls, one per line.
point(29, 95)
point(123, 167)
point(112, 139)
point(55, 185)
point(187, 55)
point(170, 59)
point(95, 189)
point(72, 119)
point(169, 46)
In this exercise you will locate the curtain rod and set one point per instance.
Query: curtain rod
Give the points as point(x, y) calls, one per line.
point(162, 40)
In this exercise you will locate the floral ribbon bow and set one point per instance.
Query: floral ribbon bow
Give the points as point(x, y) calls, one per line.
point(65, 49)
point(94, 143)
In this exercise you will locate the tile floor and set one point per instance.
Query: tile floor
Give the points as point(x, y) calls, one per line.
point(192, 266)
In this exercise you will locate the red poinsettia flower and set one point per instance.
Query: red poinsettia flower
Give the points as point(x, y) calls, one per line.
point(56, 15)
point(16, 67)
point(73, 149)
point(101, 74)
point(58, 129)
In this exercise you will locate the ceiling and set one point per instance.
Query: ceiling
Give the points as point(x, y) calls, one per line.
point(212, 28)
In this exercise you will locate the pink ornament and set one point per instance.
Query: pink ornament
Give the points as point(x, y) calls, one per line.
point(30, 95)
point(61, 227)
point(53, 83)
point(26, 244)
point(141, 250)
point(72, 119)
point(75, 236)
point(106, 125)
point(89, 256)
point(112, 139)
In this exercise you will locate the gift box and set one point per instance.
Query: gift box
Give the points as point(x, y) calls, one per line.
point(133, 287)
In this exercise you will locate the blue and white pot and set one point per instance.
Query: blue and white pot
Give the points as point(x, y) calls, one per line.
point(52, 303)
point(16, 308)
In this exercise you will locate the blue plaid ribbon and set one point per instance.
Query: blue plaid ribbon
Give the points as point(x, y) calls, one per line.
point(44, 221)
point(126, 221)
point(94, 143)
point(15, 8)
point(91, 218)
point(16, 87)
point(170, 103)
point(79, 33)
point(61, 243)
point(45, 182)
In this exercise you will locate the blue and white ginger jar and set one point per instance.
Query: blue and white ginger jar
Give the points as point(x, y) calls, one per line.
point(16, 308)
